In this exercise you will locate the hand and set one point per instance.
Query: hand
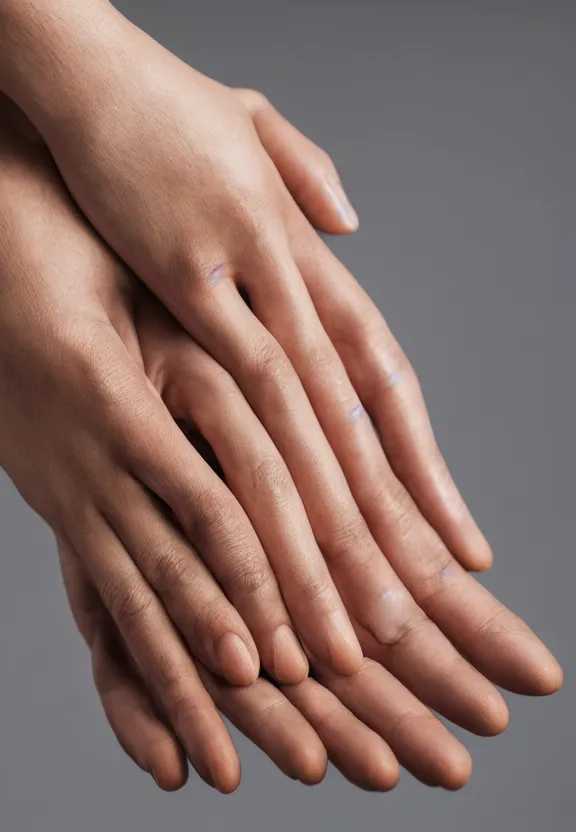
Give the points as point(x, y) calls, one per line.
point(68, 312)
point(346, 720)
point(56, 233)
point(428, 590)
point(169, 167)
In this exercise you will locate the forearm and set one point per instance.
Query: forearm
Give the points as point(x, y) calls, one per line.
point(54, 52)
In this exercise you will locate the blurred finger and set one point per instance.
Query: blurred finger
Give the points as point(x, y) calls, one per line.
point(162, 659)
point(143, 736)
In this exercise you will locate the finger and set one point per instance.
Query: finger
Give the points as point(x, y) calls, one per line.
point(500, 646)
point(143, 736)
point(370, 588)
point(212, 629)
point(307, 170)
point(266, 717)
point(199, 393)
point(162, 659)
point(358, 752)
point(389, 390)
point(495, 641)
point(420, 742)
point(304, 580)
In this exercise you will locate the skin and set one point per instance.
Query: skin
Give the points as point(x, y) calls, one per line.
point(93, 372)
point(180, 176)
point(384, 539)
point(160, 701)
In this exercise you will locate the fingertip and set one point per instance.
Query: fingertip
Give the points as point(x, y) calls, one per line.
point(481, 564)
point(168, 767)
point(345, 656)
point(226, 776)
point(530, 668)
point(494, 715)
point(456, 769)
point(236, 662)
point(552, 679)
point(546, 677)
point(290, 665)
point(381, 773)
point(309, 763)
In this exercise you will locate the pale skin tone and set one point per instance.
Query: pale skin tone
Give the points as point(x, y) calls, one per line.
point(322, 529)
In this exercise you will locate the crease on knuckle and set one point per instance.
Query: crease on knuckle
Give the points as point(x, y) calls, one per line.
point(270, 478)
point(492, 624)
point(171, 680)
point(323, 360)
point(214, 520)
point(206, 617)
point(316, 586)
point(248, 576)
point(400, 512)
point(169, 567)
point(349, 535)
point(404, 628)
point(433, 582)
point(404, 720)
point(128, 602)
point(268, 366)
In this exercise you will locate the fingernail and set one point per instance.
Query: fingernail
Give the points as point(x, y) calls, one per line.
point(343, 646)
point(235, 660)
point(341, 202)
point(288, 658)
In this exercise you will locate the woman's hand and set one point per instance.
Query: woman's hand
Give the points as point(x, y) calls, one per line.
point(352, 721)
point(172, 169)
point(78, 417)
point(76, 340)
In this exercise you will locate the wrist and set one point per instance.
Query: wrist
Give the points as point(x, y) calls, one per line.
point(54, 52)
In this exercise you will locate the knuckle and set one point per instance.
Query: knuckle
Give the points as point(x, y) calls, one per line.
point(315, 586)
point(219, 524)
point(322, 360)
point(129, 602)
point(254, 100)
point(348, 535)
point(434, 576)
point(405, 626)
point(268, 365)
point(206, 617)
point(214, 515)
point(169, 566)
point(388, 360)
point(249, 576)
point(270, 478)
point(171, 681)
point(400, 510)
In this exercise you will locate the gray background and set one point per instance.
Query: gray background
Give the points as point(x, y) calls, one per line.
point(453, 126)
